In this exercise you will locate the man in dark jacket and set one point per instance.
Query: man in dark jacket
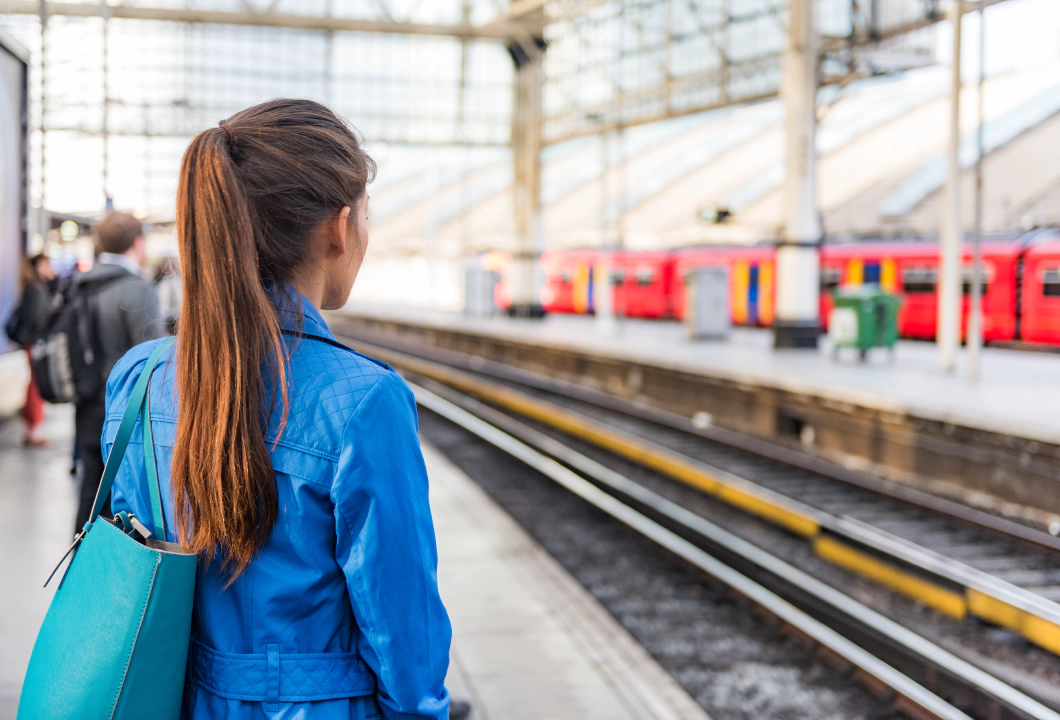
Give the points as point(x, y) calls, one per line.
point(127, 313)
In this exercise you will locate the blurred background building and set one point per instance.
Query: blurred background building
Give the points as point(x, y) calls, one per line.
point(657, 122)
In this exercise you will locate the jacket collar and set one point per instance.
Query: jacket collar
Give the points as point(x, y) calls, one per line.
point(297, 313)
point(101, 272)
point(129, 264)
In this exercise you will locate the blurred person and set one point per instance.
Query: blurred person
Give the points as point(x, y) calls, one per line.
point(24, 327)
point(170, 292)
point(125, 313)
point(288, 461)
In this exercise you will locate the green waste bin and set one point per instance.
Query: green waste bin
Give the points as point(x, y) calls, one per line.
point(863, 317)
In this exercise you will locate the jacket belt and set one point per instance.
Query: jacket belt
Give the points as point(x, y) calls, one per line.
point(275, 677)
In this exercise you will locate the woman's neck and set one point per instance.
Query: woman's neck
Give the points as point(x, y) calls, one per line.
point(312, 284)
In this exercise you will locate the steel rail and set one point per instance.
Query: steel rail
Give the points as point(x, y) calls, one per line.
point(518, 442)
point(942, 583)
point(886, 629)
point(997, 525)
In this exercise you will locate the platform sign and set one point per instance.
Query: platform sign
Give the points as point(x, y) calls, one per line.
point(14, 116)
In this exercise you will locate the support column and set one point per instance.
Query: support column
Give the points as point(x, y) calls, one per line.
point(603, 290)
point(797, 324)
point(948, 335)
point(43, 221)
point(975, 316)
point(526, 149)
point(108, 200)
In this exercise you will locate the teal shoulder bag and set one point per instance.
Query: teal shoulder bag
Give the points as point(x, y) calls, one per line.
point(114, 643)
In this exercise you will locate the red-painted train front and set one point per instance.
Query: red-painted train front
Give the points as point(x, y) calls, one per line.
point(1021, 294)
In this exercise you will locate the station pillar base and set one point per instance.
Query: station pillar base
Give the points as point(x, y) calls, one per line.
point(795, 334)
point(526, 310)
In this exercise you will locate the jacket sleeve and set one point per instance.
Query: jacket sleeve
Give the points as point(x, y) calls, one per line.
point(385, 544)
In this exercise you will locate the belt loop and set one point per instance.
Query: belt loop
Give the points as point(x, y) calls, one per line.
point(272, 680)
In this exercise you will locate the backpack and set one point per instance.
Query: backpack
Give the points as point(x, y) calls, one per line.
point(13, 326)
point(67, 360)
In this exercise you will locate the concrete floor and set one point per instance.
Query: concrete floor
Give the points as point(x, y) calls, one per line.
point(38, 501)
point(529, 642)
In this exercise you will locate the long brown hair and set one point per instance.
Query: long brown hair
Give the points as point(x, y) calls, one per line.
point(29, 274)
point(250, 196)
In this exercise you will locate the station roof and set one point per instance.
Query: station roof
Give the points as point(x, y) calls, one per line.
point(881, 169)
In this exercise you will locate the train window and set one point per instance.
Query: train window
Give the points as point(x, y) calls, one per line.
point(1051, 282)
point(919, 280)
point(966, 278)
point(645, 275)
point(565, 276)
point(618, 276)
point(830, 277)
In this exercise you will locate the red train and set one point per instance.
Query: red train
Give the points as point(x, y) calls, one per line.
point(1021, 298)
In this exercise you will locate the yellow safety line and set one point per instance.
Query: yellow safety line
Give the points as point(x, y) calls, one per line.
point(1038, 630)
point(932, 595)
point(627, 447)
point(1035, 628)
point(1041, 632)
point(996, 611)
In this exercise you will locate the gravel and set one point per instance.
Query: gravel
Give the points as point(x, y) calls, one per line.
point(734, 663)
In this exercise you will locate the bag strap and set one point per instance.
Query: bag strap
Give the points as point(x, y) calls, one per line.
point(125, 431)
point(158, 518)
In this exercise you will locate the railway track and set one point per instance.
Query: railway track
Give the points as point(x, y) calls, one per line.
point(837, 523)
point(922, 679)
point(954, 559)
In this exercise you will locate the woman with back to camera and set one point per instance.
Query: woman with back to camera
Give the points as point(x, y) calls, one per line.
point(294, 465)
point(25, 326)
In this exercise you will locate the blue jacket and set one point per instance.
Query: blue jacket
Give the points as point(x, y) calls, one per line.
point(339, 615)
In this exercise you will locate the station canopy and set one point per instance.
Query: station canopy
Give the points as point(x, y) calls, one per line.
point(148, 74)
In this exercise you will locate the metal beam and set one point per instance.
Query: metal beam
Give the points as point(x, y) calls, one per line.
point(830, 44)
point(492, 31)
point(709, 89)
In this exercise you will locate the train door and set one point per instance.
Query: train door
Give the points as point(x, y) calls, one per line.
point(917, 317)
point(766, 293)
point(582, 287)
point(752, 288)
point(1040, 319)
point(752, 295)
point(870, 274)
point(999, 294)
point(740, 288)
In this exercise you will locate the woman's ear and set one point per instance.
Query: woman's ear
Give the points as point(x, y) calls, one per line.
point(339, 235)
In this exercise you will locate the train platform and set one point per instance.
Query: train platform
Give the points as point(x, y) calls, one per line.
point(529, 643)
point(897, 416)
point(1014, 395)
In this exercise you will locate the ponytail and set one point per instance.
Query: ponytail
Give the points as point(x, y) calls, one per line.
point(250, 195)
